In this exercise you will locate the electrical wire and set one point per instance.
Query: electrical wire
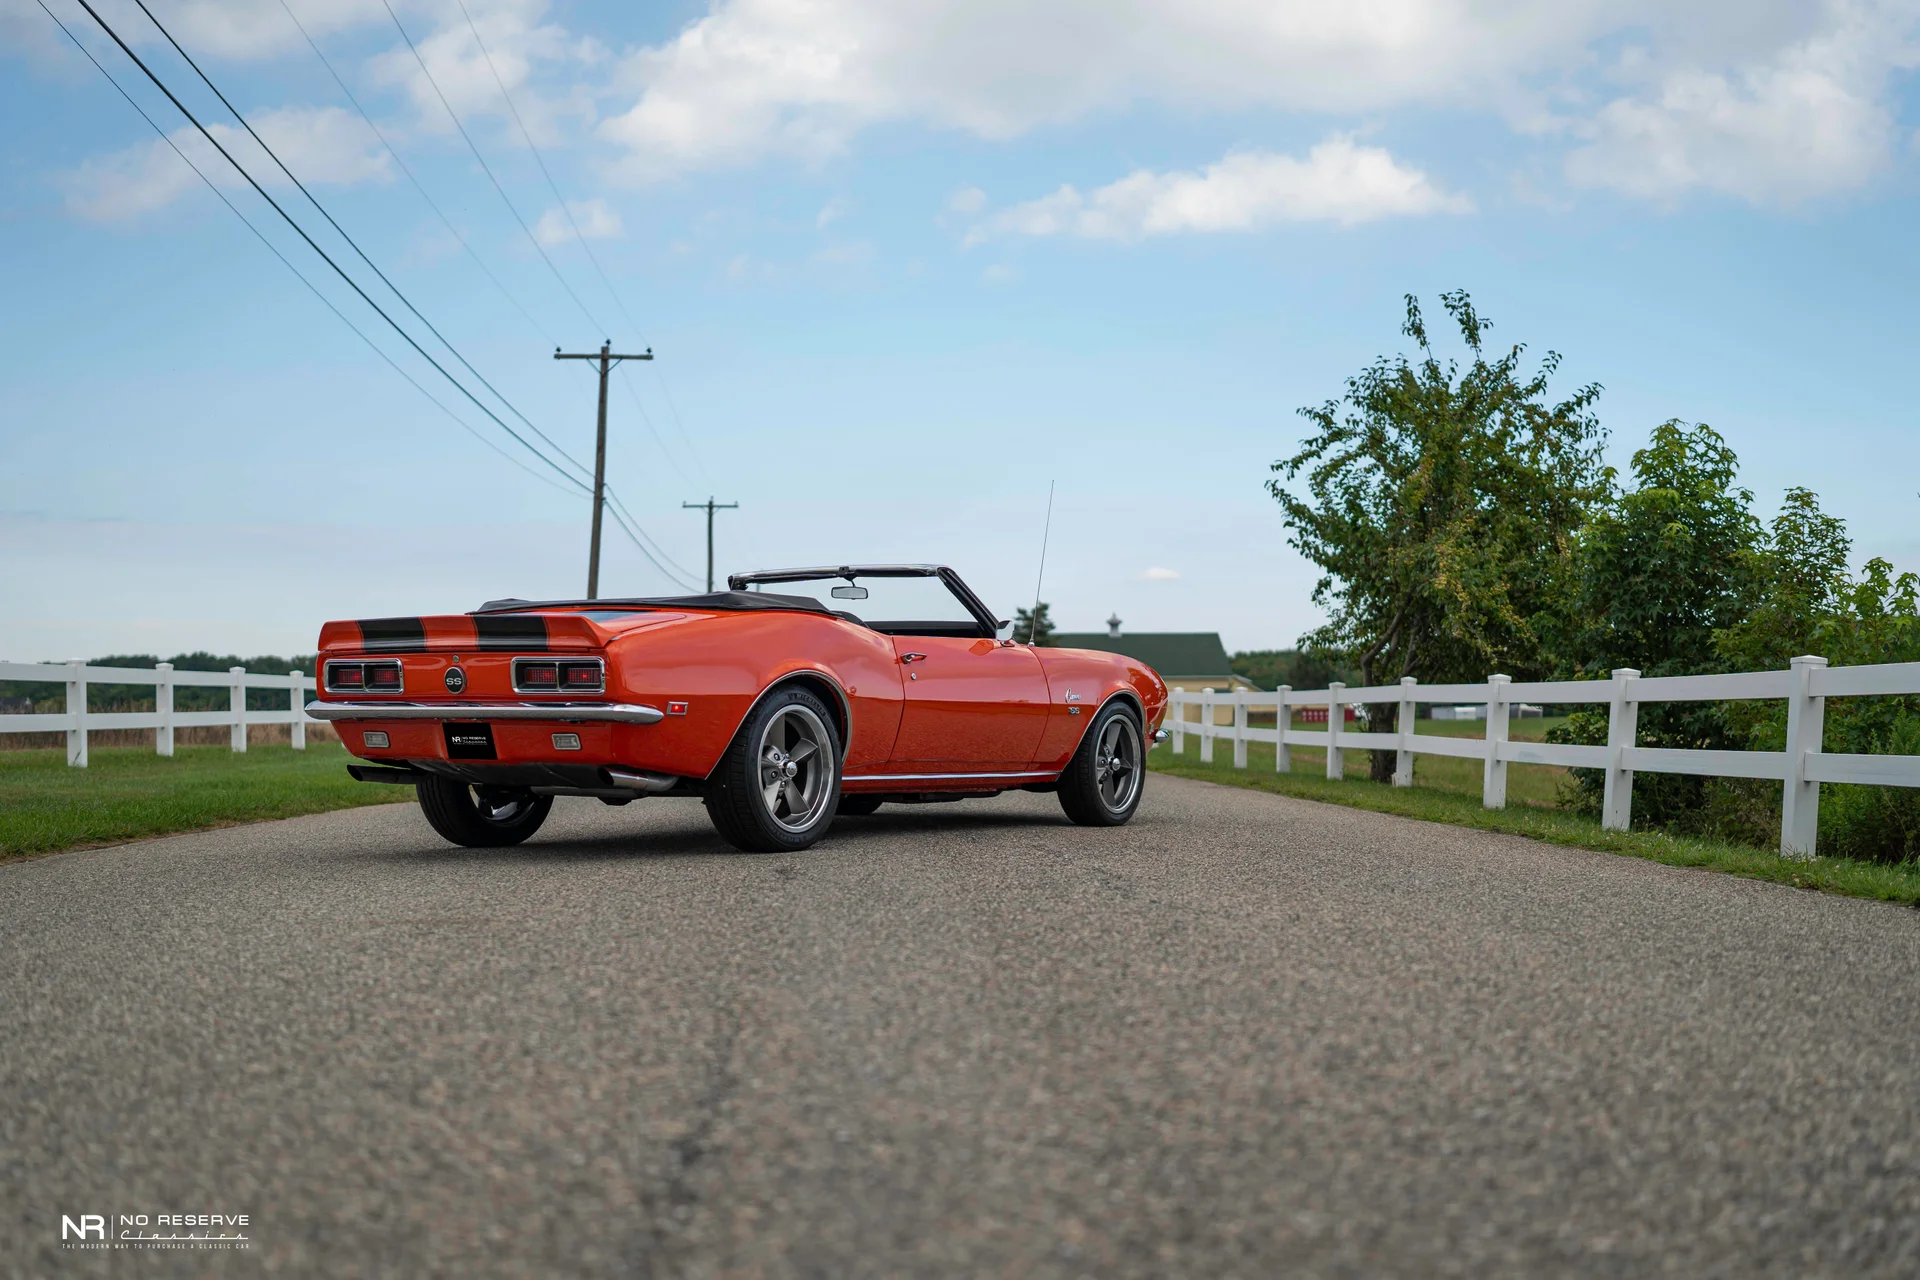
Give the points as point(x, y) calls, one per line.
point(488, 169)
point(284, 261)
point(417, 186)
point(312, 244)
point(566, 211)
point(351, 242)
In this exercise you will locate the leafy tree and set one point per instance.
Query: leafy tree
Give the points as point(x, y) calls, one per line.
point(1810, 603)
point(1441, 506)
point(1659, 575)
point(1027, 631)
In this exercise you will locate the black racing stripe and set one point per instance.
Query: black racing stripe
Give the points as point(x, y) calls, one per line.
point(521, 632)
point(393, 635)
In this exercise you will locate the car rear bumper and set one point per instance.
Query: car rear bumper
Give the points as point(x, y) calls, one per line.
point(557, 712)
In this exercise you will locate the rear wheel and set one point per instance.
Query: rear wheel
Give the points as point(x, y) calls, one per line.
point(1102, 785)
point(778, 787)
point(481, 817)
point(859, 806)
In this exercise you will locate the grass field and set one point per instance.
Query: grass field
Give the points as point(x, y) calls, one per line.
point(1448, 790)
point(128, 793)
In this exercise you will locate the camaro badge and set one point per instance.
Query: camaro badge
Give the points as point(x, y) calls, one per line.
point(456, 680)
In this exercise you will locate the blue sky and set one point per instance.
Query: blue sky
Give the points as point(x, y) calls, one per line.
point(904, 266)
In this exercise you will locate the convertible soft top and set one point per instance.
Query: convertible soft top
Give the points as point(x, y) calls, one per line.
point(730, 601)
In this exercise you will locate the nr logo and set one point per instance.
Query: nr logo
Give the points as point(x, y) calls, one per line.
point(92, 1226)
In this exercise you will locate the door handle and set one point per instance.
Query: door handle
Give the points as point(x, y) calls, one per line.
point(913, 657)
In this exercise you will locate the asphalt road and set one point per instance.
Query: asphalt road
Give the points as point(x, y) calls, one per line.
point(1242, 1036)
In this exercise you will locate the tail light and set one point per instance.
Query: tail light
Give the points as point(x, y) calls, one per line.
point(552, 675)
point(364, 677)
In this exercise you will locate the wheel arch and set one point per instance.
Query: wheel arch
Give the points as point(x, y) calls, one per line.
point(1131, 698)
point(822, 686)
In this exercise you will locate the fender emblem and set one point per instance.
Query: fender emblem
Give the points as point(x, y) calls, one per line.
point(1072, 696)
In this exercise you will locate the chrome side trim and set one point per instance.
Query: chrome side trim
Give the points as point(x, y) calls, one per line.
point(651, 784)
point(565, 712)
point(948, 777)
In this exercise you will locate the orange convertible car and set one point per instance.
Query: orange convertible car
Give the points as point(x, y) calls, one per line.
point(779, 711)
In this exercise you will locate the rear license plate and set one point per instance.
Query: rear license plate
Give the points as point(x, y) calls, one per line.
point(470, 742)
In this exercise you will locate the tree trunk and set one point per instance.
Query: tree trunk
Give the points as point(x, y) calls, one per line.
point(1382, 717)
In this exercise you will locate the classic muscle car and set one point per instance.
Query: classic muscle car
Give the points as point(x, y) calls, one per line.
point(781, 712)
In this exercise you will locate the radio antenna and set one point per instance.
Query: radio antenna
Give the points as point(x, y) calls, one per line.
point(1033, 619)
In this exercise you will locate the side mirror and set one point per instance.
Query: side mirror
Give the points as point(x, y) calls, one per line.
point(850, 592)
point(1003, 629)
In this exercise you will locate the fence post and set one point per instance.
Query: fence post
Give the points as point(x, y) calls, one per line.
point(297, 731)
point(77, 708)
point(1493, 776)
point(1800, 799)
point(163, 709)
point(1206, 726)
point(1403, 759)
point(1178, 697)
point(1336, 716)
point(1239, 728)
point(1623, 718)
point(1282, 721)
point(239, 700)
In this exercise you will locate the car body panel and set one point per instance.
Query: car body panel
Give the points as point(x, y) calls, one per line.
point(970, 704)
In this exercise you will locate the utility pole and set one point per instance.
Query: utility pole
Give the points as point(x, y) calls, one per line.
point(710, 506)
point(607, 360)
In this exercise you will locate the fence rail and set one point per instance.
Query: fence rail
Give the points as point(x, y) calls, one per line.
point(77, 722)
point(1800, 769)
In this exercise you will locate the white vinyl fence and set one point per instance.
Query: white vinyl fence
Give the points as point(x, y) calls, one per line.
point(1801, 768)
point(76, 721)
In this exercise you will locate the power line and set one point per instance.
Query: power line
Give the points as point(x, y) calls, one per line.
point(311, 243)
point(284, 261)
point(567, 211)
point(544, 171)
point(627, 526)
point(488, 169)
point(342, 232)
point(417, 186)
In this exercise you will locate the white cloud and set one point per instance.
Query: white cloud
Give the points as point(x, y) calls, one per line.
point(1812, 119)
point(1338, 182)
point(596, 219)
point(967, 200)
point(1741, 95)
point(518, 42)
point(832, 211)
point(1159, 575)
point(322, 145)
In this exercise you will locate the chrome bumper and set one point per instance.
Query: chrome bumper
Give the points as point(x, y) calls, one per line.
point(1159, 736)
point(563, 712)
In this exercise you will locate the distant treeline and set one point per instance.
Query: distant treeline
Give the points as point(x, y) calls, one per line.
point(1271, 668)
point(52, 696)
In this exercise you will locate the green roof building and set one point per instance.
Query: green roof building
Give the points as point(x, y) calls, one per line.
point(1193, 660)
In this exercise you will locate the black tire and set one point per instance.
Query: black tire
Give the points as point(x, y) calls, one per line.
point(859, 806)
point(481, 817)
point(778, 787)
point(1092, 790)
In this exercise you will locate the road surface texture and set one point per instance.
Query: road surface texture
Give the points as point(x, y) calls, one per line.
point(1245, 1035)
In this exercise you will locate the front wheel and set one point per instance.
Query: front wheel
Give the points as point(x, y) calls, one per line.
point(481, 817)
point(778, 786)
point(1101, 787)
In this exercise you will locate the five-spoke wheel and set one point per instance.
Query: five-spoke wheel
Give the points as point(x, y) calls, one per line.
point(1102, 784)
point(779, 783)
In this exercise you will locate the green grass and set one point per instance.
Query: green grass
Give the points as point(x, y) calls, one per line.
point(129, 793)
point(1448, 790)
